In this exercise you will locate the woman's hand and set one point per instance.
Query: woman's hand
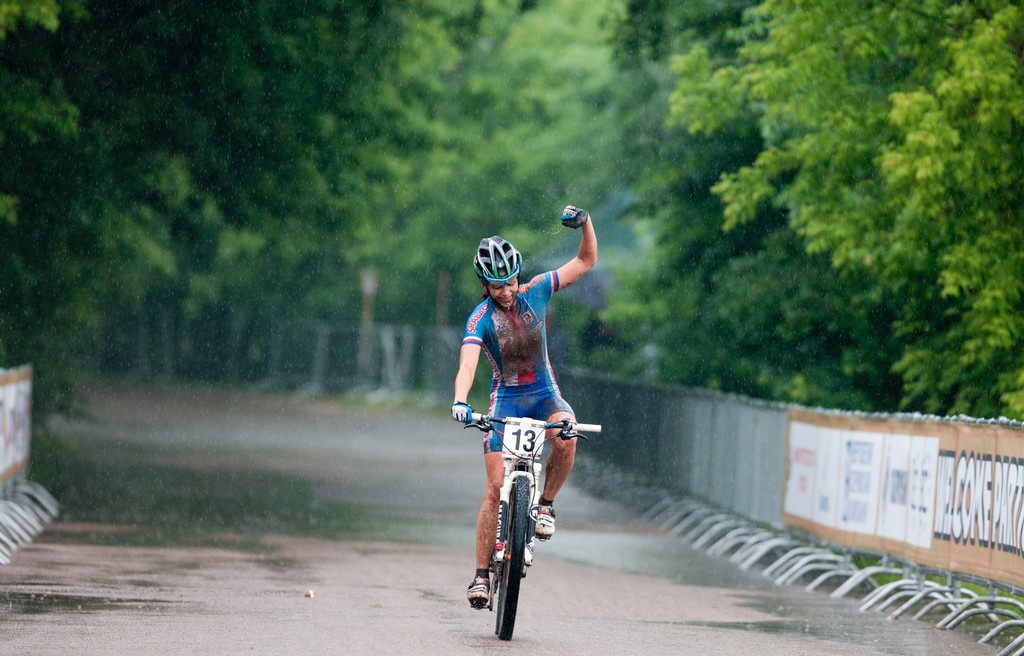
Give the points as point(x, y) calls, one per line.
point(574, 217)
point(461, 412)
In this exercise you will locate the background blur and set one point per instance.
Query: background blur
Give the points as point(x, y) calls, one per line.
point(810, 202)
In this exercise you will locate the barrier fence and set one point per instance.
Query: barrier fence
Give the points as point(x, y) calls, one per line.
point(24, 506)
point(809, 489)
point(946, 494)
point(15, 420)
point(323, 356)
point(725, 450)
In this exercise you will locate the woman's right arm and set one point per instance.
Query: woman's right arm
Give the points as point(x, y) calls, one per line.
point(468, 358)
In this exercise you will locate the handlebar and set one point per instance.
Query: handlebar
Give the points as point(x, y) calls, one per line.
point(567, 427)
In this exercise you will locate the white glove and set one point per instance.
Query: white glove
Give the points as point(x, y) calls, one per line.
point(461, 412)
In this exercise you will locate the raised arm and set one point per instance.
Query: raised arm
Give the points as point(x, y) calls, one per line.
point(586, 256)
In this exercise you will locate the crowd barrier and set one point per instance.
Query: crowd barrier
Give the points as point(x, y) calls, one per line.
point(924, 497)
point(24, 506)
point(945, 493)
point(15, 420)
point(726, 450)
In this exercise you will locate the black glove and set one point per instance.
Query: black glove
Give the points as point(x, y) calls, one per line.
point(574, 217)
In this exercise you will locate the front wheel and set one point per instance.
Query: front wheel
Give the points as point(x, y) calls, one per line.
point(512, 571)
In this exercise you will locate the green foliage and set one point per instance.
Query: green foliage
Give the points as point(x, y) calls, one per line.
point(746, 309)
point(892, 139)
point(184, 180)
point(33, 13)
point(526, 121)
point(176, 182)
point(29, 106)
point(204, 172)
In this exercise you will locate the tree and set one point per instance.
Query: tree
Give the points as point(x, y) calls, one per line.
point(33, 304)
point(893, 141)
point(224, 168)
point(744, 309)
point(525, 121)
point(204, 170)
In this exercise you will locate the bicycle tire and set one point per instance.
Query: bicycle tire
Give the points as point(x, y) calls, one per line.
point(512, 571)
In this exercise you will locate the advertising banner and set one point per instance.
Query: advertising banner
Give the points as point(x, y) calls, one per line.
point(15, 420)
point(942, 494)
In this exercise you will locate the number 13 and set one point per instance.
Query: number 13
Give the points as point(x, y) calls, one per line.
point(529, 434)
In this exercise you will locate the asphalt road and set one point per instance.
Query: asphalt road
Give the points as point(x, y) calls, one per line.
point(606, 584)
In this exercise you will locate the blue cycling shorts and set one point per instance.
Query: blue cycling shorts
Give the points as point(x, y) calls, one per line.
point(535, 401)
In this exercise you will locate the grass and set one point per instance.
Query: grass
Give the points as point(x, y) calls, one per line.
point(157, 500)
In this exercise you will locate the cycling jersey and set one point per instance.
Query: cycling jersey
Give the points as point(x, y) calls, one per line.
point(515, 342)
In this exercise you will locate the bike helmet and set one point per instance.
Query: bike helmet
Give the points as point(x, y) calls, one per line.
point(496, 260)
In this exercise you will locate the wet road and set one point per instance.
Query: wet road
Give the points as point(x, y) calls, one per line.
point(605, 585)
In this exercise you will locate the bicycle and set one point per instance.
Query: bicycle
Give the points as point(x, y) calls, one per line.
point(517, 509)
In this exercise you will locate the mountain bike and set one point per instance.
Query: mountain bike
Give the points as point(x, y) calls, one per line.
point(522, 448)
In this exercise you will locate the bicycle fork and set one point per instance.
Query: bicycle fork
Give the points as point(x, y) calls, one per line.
point(501, 540)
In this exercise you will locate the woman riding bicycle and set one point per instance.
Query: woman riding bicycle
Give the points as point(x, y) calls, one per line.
point(509, 325)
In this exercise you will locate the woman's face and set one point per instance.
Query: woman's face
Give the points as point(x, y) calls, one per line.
point(503, 293)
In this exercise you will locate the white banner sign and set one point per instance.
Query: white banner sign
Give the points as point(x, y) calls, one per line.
point(15, 420)
point(862, 482)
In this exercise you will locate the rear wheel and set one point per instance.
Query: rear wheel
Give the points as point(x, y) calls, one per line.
point(512, 571)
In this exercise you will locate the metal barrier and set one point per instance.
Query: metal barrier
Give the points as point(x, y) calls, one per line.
point(725, 450)
point(721, 462)
point(24, 506)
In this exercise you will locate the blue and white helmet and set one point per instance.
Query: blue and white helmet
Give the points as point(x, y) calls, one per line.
point(496, 260)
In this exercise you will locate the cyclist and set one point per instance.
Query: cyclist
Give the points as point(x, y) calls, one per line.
point(509, 326)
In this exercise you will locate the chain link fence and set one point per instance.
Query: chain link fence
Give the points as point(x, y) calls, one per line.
point(320, 356)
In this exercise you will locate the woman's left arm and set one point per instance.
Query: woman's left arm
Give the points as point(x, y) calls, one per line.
point(585, 258)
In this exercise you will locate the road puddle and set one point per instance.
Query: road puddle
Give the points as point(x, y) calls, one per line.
point(28, 603)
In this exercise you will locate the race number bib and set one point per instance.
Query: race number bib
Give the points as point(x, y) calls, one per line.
point(522, 439)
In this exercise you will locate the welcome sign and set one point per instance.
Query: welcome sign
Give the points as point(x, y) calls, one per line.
point(942, 494)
